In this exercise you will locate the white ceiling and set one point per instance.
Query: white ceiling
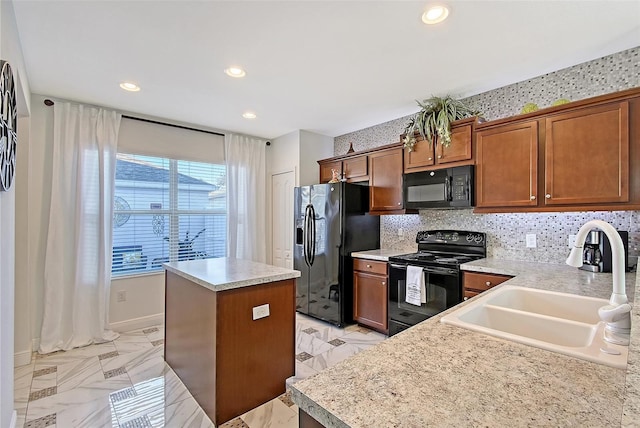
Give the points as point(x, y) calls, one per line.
point(329, 67)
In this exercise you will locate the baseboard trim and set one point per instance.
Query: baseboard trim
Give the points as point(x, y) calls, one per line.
point(14, 419)
point(22, 358)
point(137, 323)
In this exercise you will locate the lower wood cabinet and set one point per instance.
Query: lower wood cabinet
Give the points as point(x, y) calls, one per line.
point(475, 283)
point(370, 294)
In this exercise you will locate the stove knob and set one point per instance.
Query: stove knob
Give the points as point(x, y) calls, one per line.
point(470, 238)
point(478, 238)
point(454, 237)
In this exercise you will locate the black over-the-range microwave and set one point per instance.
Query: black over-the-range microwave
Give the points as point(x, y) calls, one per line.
point(441, 188)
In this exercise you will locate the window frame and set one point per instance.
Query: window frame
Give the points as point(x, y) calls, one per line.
point(173, 213)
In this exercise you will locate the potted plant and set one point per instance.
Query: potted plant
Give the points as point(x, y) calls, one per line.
point(433, 121)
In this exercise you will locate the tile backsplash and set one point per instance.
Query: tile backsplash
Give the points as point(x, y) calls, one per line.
point(612, 73)
point(506, 232)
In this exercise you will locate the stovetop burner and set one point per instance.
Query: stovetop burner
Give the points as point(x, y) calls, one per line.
point(420, 258)
point(444, 247)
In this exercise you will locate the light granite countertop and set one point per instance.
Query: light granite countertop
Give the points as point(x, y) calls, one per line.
point(225, 273)
point(440, 375)
point(381, 254)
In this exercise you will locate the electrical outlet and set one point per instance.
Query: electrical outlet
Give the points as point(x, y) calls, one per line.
point(572, 241)
point(531, 240)
point(121, 296)
point(400, 234)
point(261, 311)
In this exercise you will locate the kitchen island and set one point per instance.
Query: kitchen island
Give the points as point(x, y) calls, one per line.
point(230, 332)
point(440, 375)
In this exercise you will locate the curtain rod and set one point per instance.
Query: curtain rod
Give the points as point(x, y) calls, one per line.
point(49, 103)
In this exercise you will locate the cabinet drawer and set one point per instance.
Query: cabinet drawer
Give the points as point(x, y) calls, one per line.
point(469, 294)
point(371, 266)
point(482, 281)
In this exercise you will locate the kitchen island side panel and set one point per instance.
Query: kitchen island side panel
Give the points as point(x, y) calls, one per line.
point(190, 337)
point(228, 361)
point(255, 357)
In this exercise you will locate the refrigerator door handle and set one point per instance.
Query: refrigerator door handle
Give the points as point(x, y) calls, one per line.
point(312, 255)
point(305, 241)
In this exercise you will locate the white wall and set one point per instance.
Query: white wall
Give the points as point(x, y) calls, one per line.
point(11, 51)
point(313, 147)
point(22, 330)
point(283, 154)
point(37, 215)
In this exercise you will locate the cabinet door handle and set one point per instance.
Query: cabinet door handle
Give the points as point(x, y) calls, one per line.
point(548, 196)
point(430, 158)
point(488, 283)
point(439, 156)
point(399, 203)
point(532, 197)
point(369, 266)
point(384, 283)
point(466, 298)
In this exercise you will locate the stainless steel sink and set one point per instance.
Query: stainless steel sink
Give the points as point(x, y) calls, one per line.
point(558, 322)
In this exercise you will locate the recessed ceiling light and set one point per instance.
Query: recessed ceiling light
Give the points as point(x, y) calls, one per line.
point(128, 86)
point(249, 115)
point(235, 72)
point(435, 14)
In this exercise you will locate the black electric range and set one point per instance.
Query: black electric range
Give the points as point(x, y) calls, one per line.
point(440, 253)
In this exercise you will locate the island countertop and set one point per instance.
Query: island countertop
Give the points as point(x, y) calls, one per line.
point(225, 273)
point(435, 374)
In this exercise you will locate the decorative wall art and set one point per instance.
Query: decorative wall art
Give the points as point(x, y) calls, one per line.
point(8, 125)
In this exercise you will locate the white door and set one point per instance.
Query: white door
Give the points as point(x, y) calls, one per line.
point(282, 186)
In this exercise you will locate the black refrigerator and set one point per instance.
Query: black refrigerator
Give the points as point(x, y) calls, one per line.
point(331, 222)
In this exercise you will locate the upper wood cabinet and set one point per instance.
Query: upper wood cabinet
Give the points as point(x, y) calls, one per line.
point(326, 167)
point(353, 169)
point(581, 156)
point(587, 156)
point(356, 168)
point(385, 180)
point(426, 156)
point(507, 165)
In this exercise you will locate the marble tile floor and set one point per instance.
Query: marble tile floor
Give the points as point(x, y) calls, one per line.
point(127, 384)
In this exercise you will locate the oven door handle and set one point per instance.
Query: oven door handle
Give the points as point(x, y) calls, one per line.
point(440, 270)
point(395, 266)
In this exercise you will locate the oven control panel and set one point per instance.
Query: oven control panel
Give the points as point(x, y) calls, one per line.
point(455, 237)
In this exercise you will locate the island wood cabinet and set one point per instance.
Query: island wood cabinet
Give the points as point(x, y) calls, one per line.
point(370, 294)
point(581, 142)
point(230, 360)
point(353, 169)
point(475, 283)
point(385, 181)
point(507, 165)
point(426, 156)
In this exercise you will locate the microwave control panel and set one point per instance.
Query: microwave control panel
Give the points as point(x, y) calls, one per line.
point(459, 188)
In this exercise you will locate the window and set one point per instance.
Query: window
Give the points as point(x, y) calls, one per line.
point(166, 210)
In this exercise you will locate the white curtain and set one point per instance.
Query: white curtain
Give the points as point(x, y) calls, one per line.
point(78, 251)
point(246, 189)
